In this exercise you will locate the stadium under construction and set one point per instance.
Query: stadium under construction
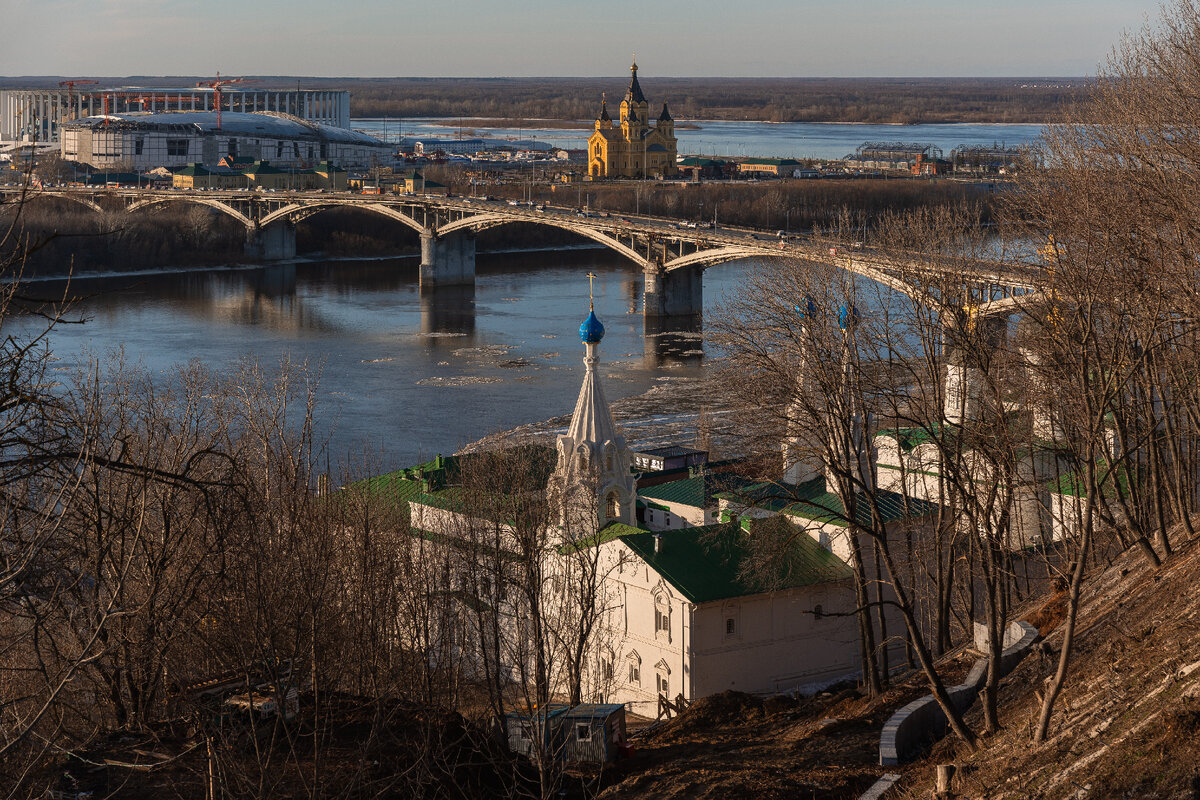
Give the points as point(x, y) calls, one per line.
point(39, 114)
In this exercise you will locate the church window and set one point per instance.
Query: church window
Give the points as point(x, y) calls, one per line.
point(662, 678)
point(610, 506)
point(732, 614)
point(635, 669)
point(662, 616)
point(608, 461)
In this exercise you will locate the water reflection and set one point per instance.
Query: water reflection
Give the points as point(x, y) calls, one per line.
point(673, 342)
point(404, 373)
point(448, 310)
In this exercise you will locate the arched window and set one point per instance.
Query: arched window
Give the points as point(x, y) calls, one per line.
point(608, 461)
point(662, 678)
point(731, 613)
point(610, 506)
point(635, 669)
point(662, 616)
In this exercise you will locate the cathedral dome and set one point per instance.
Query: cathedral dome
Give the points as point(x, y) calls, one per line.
point(591, 331)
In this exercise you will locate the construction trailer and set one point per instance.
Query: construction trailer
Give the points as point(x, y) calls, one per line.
point(593, 733)
point(583, 734)
point(529, 731)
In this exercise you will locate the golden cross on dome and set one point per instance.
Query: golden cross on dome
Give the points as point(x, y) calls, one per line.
point(591, 276)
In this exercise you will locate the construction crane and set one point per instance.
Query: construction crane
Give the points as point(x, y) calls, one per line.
point(216, 87)
point(71, 93)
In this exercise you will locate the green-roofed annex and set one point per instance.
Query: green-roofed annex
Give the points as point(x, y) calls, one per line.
point(710, 563)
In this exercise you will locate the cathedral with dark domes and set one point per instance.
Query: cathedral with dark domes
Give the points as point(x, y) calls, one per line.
point(632, 147)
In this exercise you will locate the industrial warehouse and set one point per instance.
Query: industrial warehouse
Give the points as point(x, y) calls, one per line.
point(142, 141)
point(39, 114)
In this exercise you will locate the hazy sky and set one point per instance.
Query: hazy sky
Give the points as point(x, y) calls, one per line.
point(563, 37)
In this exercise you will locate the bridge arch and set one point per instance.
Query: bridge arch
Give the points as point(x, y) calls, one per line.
point(486, 220)
point(295, 212)
point(703, 259)
point(83, 201)
point(245, 221)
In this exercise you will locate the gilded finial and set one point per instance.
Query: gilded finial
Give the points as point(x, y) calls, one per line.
point(591, 276)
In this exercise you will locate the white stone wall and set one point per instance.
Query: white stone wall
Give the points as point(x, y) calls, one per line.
point(630, 637)
point(777, 642)
point(681, 516)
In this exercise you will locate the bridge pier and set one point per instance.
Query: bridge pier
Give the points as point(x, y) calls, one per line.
point(447, 260)
point(674, 293)
point(276, 242)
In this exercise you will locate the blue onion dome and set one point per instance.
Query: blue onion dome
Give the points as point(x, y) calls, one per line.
point(807, 308)
point(591, 331)
point(847, 316)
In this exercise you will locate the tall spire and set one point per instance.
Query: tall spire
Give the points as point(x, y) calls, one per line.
point(634, 95)
point(604, 107)
point(593, 484)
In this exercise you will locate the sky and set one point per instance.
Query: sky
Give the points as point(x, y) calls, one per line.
point(685, 38)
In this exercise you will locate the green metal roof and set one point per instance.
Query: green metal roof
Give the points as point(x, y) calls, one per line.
point(610, 532)
point(811, 501)
point(696, 490)
point(437, 483)
point(711, 563)
point(1110, 479)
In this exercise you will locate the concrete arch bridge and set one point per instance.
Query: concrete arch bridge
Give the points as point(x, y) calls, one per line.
point(671, 256)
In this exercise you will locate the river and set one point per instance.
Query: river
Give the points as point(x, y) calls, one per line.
point(821, 140)
point(405, 375)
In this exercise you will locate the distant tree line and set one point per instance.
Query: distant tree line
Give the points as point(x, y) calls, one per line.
point(878, 100)
point(875, 100)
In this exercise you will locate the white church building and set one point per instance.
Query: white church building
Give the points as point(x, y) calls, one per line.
point(684, 611)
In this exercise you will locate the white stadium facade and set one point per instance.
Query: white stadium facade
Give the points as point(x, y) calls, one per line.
point(142, 141)
point(39, 114)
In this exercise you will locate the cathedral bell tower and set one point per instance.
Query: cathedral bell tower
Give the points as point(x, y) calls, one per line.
point(635, 110)
point(592, 484)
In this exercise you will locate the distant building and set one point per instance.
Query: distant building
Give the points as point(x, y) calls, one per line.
point(698, 167)
point(633, 148)
point(775, 167)
point(175, 139)
point(427, 147)
point(29, 114)
point(672, 457)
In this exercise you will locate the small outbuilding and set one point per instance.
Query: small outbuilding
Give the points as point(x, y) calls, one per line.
point(594, 733)
point(526, 729)
point(586, 733)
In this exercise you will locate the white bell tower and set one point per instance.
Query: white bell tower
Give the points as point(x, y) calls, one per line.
point(592, 484)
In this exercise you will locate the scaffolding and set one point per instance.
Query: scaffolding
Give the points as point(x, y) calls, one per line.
point(897, 151)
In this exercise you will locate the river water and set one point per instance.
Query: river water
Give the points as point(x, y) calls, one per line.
point(760, 139)
point(405, 375)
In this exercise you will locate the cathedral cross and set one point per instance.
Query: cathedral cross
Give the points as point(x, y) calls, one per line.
point(591, 276)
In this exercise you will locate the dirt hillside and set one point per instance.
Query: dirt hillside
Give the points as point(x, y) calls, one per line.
point(1127, 724)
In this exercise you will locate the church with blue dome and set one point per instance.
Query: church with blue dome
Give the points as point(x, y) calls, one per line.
point(668, 547)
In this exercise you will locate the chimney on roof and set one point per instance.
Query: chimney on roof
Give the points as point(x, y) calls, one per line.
point(657, 543)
